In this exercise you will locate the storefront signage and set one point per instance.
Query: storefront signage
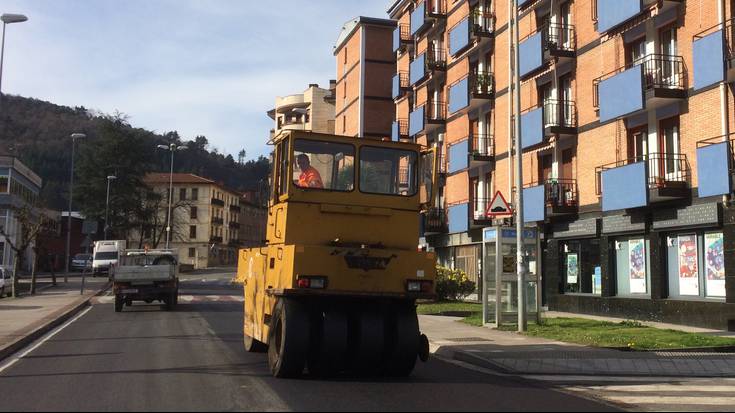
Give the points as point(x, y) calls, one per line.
point(691, 216)
point(577, 229)
point(688, 265)
point(715, 263)
point(637, 260)
point(572, 268)
point(623, 223)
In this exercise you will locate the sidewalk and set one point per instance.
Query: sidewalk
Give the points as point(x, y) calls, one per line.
point(27, 318)
point(513, 353)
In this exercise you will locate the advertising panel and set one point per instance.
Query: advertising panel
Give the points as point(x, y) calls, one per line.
point(715, 263)
point(637, 260)
point(688, 265)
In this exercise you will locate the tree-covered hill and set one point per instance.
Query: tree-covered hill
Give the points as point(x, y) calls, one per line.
point(38, 133)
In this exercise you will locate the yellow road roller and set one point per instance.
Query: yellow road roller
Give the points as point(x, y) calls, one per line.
point(334, 288)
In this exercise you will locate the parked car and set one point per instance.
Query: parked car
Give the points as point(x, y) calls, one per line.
point(81, 262)
point(6, 282)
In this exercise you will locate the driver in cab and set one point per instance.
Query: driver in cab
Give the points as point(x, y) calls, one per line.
point(310, 177)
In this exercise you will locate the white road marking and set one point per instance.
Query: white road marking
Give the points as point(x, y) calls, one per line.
point(42, 340)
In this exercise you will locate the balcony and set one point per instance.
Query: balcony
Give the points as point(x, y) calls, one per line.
point(215, 240)
point(649, 83)
point(436, 113)
point(399, 130)
point(235, 209)
point(401, 84)
point(482, 149)
point(417, 70)
point(471, 92)
point(553, 197)
point(555, 118)
point(637, 182)
point(611, 14)
point(552, 42)
point(435, 221)
point(458, 159)
point(436, 59)
point(716, 166)
point(442, 167)
point(234, 243)
point(218, 202)
point(427, 118)
point(425, 13)
point(402, 37)
point(476, 28)
point(218, 221)
point(480, 217)
point(458, 217)
point(713, 54)
point(234, 225)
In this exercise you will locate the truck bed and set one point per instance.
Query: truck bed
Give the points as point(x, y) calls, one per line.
point(148, 273)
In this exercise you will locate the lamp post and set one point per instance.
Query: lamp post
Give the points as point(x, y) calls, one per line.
point(7, 19)
point(172, 148)
point(74, 137)
point(110, 178)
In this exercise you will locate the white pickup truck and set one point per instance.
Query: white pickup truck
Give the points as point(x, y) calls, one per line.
point(146, 275)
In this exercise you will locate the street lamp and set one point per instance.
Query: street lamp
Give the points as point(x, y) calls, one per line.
point(74, 137)
point(110, 178)
point(7, 19)
point(172, 148)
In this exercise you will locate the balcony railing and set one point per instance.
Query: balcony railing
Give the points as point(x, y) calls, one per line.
point(559, 193)
point(665, 170)
point(482, 23)
point(479, 209)
point(404, 80)
point(442, 167)
point(561, 113)
point(405, 33)
point(481, 84)
point(402, 129)
point(483, 144)
point(436, 111)
point(218, 202)
point(436, 8)
point(235, 209)
point(559, 37)
point(215, 240)
point(436, 59)
point(234, 225)
point(218, 221)
point(659, 72)
point(435, 221)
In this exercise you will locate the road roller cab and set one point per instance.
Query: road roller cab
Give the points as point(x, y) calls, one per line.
point(334, 288)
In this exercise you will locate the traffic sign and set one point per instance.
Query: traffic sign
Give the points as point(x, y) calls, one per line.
point(498, 208)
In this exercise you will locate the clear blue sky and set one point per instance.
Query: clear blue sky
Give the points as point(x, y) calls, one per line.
point(201, 67)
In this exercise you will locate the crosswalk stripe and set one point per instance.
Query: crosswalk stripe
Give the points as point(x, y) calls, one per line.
point(680, 401)
point(663, 388)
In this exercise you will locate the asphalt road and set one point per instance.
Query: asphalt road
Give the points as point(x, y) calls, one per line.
point(192, 359)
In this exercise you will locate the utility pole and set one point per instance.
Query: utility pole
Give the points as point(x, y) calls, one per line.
point(520, 256)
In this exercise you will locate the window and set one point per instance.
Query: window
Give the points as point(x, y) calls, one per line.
point(695, 265)
point(192, 231)
point(580, 266)
point(323, 165)
point(632, 266)
point(182, 194)
point(192, 252)
point(193, 212)
point(283, 168)
point(194, 194)
point(636, 51)
point(3, 184)
point(388, 171)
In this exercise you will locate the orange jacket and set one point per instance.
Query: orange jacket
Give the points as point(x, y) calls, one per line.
point(310, 178)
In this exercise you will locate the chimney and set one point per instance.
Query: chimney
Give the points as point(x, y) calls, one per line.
point(311, 85)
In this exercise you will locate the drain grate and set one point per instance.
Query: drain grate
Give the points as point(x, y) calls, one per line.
point(467, 339)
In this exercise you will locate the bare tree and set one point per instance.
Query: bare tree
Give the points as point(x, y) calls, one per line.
point(154, 216)
point(31, 221)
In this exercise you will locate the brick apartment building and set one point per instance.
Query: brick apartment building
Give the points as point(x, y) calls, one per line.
point(626, 107)
point(365, 64)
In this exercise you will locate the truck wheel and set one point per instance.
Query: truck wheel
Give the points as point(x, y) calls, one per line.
point(329, 343)
point(404, 341)
point(118, 303)
point(253, 346)
point(369, 343)
point(288, 339)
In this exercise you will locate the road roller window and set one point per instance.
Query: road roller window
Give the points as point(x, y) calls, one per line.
point(388, 171)
point(320, 165)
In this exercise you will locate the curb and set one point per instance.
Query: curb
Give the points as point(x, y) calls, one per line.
point(469, 358)
point(29, 338)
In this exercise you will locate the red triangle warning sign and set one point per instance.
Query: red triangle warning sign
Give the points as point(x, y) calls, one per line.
point(498, 208)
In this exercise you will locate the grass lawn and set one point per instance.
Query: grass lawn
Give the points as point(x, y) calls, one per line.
point(449, 307)
point(629, 334)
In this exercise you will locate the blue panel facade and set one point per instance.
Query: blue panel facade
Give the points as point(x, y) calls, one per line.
point(459, 37)
point(611, 13)
point(534, 204)
point(417, 69)
point(458, 156)
point(713, 170)
point(416, 121)
point(621, 94)
point(532, 54)
point(532, 128)
point(394, 132)
point(418, 16)
point(522, 3)
point(459, 96)
point(625, 187)
point(709, 60)
point(397, 38)
point(458, 216)
point(396, 86)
